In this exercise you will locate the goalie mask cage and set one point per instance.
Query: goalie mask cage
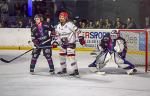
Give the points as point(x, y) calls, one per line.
point(138, 50)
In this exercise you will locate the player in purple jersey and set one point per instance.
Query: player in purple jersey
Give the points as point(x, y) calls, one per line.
point(41, 32)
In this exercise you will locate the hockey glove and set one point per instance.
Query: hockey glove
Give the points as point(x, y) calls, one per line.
point(54, 44)
point(36, 42)
point(81, 40)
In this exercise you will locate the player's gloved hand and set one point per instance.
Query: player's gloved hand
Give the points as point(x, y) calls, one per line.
point(55, 44)
point(53, 33)
point(36, 42)
point(81, 40)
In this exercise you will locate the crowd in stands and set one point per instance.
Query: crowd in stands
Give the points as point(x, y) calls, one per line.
point(106, 23)
point(20, 19)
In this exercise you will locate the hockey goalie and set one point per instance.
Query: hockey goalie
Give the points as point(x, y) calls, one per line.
point(115, 48)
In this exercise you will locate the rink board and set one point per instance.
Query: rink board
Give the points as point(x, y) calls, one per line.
point(17, 39)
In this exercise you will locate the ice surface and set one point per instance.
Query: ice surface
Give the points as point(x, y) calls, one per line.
point(15, 79)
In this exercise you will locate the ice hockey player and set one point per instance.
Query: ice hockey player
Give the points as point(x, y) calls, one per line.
point(119, 53)
point(104, 47)
point(66, 33)
point(40, 33)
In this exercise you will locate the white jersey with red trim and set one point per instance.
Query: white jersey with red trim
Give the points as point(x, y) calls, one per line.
point(68, 31)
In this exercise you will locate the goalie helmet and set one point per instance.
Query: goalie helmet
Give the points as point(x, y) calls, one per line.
point(38, 16)
point(114, 34)
point(106, 37)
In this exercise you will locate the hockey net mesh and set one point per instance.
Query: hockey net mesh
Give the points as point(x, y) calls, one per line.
point(137, 44)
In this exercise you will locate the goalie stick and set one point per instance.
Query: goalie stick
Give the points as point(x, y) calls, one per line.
point(8, 61)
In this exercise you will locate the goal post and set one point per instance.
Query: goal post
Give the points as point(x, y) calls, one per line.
point(138, 46)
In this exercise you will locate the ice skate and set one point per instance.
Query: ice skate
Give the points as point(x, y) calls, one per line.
point(100, 73)
point(32, 71)
point(52, 71)
point(75, 73)
point(64, 71)
point(131, 71)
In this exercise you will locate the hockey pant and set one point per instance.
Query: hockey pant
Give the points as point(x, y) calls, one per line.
point(102, 59)
point(47, 52)
point(122, 62)
point(67, 53)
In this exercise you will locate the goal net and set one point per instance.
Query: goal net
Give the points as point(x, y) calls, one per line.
point(138, 47)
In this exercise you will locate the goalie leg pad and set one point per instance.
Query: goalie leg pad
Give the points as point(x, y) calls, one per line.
point(122, 62)
point(118, 59)
point(102, 59)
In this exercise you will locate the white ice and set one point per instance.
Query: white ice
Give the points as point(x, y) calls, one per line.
point(15, 79)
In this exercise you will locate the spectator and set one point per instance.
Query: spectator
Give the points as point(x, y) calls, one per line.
point(4, 11)
point(107, 24)
point(90, 24)
point(20, 24)
point(118, 25)
point(117, 20)
point(79, 24)
point(83, 25)
point(101, 23)
point(29, 23)
point(130, 23)
point(97, 24)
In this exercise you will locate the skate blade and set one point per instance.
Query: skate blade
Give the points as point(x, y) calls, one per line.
point(101, 73)
point(93, 69)
point(51, 73)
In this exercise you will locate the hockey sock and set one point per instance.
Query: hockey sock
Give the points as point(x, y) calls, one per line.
point(50, 63)
point(63, 61)
point(33, 63)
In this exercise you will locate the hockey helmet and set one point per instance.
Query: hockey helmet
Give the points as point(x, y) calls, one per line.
point(65, 14)
point(38, 16)
point(106, 37)
point(114, 34)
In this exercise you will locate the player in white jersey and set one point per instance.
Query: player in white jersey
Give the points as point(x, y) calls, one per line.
point(66, 35)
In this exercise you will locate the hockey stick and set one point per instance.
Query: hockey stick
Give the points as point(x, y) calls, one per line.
point(8, 61)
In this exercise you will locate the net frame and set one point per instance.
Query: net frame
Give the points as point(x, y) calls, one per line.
point(146, 42)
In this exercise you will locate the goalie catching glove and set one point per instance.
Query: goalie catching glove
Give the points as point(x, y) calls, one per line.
point(81, 40)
